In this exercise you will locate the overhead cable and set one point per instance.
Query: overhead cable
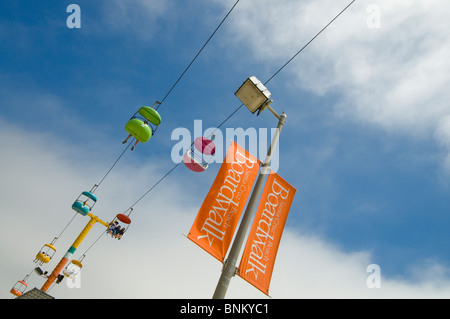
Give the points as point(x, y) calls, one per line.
point(198, 53)
point(235, 111)
point(173, 86)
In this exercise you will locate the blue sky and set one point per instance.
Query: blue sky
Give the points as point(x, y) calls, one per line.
point(366, 141)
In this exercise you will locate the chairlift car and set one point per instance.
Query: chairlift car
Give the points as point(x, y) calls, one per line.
point(143, 124)
point(200, 154)
point(122, 218)
point(72, 269)
point(45, 254)
point(84, 203)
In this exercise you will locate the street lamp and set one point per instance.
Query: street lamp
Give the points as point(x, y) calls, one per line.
point(256, 97)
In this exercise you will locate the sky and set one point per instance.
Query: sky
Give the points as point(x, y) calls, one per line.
point(366, 141)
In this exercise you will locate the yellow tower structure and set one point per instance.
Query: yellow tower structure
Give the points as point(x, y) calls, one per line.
point(63, 262)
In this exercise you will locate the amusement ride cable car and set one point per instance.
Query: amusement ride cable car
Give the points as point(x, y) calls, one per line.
point(72, 269)
point(195, 158)
point(45, 254)
point(84, 203)
point(115, 229)
point(19, 288)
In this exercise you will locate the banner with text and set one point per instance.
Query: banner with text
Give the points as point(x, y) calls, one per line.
point(260, 251)
point(216, 221)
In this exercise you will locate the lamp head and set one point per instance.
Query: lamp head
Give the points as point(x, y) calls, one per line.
point(253, 94)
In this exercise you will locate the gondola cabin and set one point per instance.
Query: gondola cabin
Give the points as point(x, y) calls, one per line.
point(84, 203)
point(139, 130)
point(19, 288)
point(198, 156)
point(151, 115)
point(72, 269)
point(124, 219)
point(143, 124)
point(45, 254)
point(116, 229)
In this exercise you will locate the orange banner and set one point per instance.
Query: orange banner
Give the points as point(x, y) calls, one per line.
point(259, 255)
point(216, 221)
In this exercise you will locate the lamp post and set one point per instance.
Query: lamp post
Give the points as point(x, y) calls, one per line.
point(256, 97)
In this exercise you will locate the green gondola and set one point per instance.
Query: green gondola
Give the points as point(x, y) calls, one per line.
point(143, 124)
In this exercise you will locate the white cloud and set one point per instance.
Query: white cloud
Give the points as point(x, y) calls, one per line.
point(309, 267)
point(442, 134)
point(154, 260)
point(394, 77)
point(141, 19)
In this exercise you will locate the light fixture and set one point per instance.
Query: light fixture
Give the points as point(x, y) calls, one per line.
point(253, 94)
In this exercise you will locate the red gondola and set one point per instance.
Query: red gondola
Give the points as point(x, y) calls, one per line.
point(200, 154)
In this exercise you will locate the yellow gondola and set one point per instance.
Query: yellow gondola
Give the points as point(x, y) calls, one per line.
point(19, 288)
point(45, 254)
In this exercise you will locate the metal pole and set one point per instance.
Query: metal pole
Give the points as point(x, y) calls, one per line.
point(229, 266)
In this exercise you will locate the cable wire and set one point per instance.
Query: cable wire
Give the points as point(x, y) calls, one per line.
point(173, 86)
point(64, 229)
point(309, 42)
point(275, 74)
point(110, 169)
point(198, 53)
point(85, 252)
point(235, 111)
point(154, 185)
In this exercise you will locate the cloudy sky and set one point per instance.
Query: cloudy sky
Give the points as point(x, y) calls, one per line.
point(366, 142)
